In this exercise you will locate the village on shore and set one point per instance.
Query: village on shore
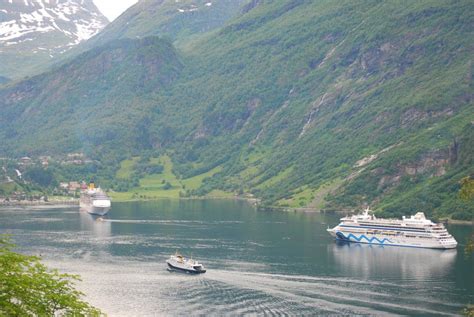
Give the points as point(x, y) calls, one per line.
point(26, 181)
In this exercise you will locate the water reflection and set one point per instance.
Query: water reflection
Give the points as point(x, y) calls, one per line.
point(99, 226)
point(258, 263)
point(366, 261)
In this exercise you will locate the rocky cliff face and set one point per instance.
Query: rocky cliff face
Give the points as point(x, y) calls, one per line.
point(34, 32)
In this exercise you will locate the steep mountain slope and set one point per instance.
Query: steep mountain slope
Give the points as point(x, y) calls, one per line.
point(32, 32)
point(322, 104)
point(169, 18)
point(298, 93)
point(85, 104)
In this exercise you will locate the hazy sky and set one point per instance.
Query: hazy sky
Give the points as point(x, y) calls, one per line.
point(113, 8)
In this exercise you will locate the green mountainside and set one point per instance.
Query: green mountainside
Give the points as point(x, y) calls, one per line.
point(180, 22)
point(176, 20)
point(86, 104)
point(323, 104)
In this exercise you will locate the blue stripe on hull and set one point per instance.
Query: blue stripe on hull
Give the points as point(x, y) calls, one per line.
point(395, 245)
point(342, 237)
point(391, 244)
point(385, 244)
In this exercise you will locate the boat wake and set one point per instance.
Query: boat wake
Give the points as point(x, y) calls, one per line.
point(147, 287)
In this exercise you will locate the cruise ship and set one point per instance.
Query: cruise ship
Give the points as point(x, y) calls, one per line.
point(415, 231)
point(95, 201)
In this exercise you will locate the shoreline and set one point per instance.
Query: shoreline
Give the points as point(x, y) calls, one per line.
point(253, 201)
point(457, 222)
point(28, 203)
point(304, 209)
point(349, 211)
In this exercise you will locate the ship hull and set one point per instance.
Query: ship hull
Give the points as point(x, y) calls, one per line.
point(95, 208)
point(98, 211)
point(184, 270)
point(385, 240)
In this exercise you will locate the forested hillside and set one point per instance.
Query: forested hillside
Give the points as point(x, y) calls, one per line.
point(321, 104)
point(93, 104)
point(176, 20)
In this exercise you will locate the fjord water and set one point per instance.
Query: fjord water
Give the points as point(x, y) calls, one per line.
point(258, 262)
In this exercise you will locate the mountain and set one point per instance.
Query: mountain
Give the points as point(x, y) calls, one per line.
point(33, 32)
point(87, 102)
point(176, 20)
point(336, 105)
point(323, 104)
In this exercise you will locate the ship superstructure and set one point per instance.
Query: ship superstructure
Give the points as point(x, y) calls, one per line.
point(177, 262)
point(413, 231)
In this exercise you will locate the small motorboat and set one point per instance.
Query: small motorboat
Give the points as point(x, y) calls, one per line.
point(177, 262)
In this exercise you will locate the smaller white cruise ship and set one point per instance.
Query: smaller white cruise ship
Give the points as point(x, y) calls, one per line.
point(415, 231)
point(95, 201)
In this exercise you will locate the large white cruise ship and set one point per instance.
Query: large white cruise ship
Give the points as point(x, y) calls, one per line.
point(95, 201)
point(415, 231)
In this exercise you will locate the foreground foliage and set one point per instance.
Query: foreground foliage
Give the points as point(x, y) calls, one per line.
point(467, 188)
point(467, 194)
point(468, 311)
point(28, 288)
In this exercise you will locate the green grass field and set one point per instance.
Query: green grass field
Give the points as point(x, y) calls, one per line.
point(153, 186)
point(311, 197)
point(275, 179)
point(8, 188)
point(126, 168)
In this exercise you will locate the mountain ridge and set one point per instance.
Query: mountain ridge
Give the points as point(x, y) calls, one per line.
point(175, 20)
point(35, 32)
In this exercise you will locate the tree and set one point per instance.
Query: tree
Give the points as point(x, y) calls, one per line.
point(28, 288)
point(468, 311)
point(467, 188)
point(40, 176)
point(467, 193)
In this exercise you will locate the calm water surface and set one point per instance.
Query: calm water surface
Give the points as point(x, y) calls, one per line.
point(269, 263)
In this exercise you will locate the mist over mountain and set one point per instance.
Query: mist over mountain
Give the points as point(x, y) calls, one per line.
point(87, 102)
point(331, 105)
point(35, 32)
